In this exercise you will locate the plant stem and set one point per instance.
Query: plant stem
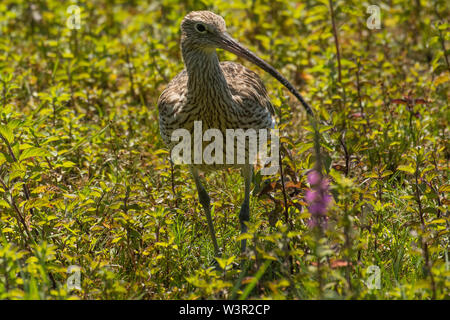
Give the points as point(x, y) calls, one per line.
point(342, 102)
point(423, 241)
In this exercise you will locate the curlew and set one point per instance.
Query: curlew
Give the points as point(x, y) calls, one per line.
point(222, 95)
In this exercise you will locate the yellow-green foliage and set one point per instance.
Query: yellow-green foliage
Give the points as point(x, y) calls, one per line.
point(85, 179)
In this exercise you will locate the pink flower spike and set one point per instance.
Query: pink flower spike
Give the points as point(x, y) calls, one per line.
point(313, 177)
point(311, 196)
point(324, 184)
point(317, 209)
point(327, 199)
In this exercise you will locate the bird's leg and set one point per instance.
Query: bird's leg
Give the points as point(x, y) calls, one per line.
point(244, 214)
point(205, 201)
point(172, 175)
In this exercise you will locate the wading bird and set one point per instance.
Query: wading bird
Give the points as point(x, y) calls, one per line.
point(222, 95)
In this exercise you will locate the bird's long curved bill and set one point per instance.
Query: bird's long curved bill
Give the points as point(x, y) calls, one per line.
point(231, 45)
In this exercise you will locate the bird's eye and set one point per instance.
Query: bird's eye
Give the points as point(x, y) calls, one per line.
point(200, 28)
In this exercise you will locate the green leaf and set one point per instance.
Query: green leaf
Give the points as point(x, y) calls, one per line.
point(255, 280)
point(4, 204)
point(2, 159)
point(14, 124)
point(386, 173)
point(406, 168)
point(7, 133)
point(371, 175)
point(17, 170)
point(33, 152)
point(437, 221)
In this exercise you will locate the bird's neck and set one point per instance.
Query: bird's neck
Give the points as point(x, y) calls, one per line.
point(206, 80)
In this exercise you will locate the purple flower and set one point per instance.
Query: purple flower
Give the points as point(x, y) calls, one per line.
point(314, 177)
point(317, 208)
point(311, 196)
point(318, 199)
point(327, 199)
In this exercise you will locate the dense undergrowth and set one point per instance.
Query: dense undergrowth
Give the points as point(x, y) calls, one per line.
point(85, 178)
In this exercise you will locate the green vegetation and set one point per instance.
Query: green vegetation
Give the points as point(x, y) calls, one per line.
point(85, 178)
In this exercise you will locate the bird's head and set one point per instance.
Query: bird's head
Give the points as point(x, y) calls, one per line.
point(206, 31)
point(202, 30)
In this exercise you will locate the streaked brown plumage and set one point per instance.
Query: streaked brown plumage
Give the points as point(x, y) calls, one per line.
point(222, 95)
